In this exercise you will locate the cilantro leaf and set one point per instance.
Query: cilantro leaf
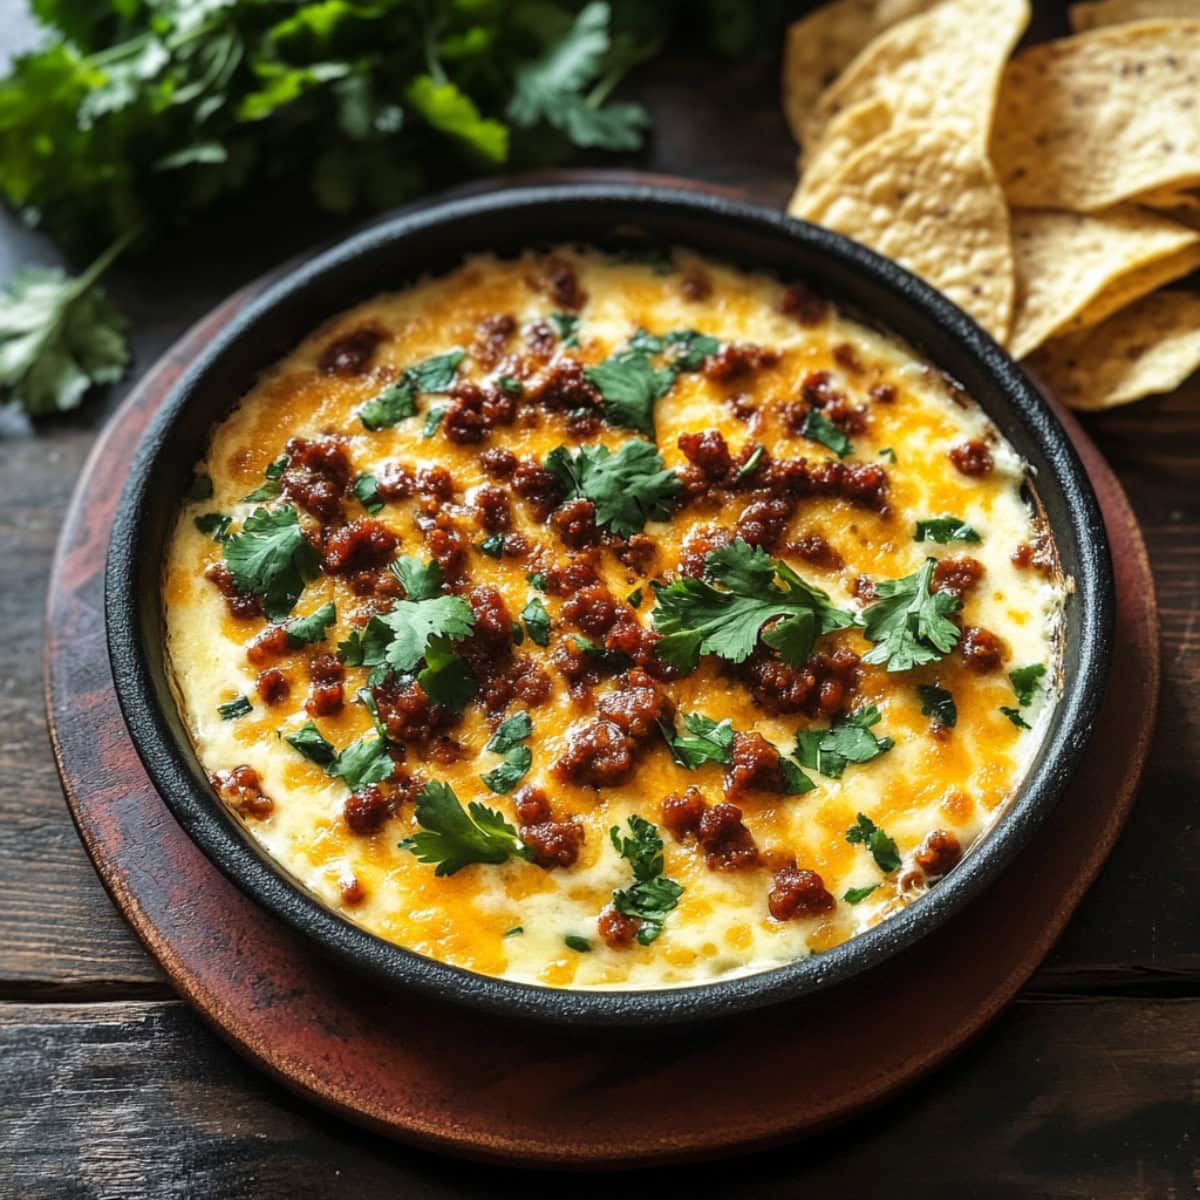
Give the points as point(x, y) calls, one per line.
point(944, 530)
point(235, 708)
point(883, 850)
point(706, 741)
point(818, 427)
point(435, 374)
point(214, 525)
point(511, 385)
point(492, 545)
point(447, 678)
point(510, 732)
point(1014, 715)
point(395, 403)
point(628, 488)
point(509, 773)
point(303, 631)
point(364, 761)
point(859, 894)
point(630, 385)
point(909, 622)
point(536, 621)
point(309, 741)
point(413, 623)
point(453, 837)
point(59, 336)
point(271, 558)
point(272, 488)
point(579, 944)
point(566, 325)
point(938, 703)
point(848, 740)
point(1026, 681)
point(366, 489)
point(689, 349)
point(634, 599)
point(695, 618)
point(433, 418)
point(450, 110)
point(888, 454)
point(652, 896)
point(421, 581)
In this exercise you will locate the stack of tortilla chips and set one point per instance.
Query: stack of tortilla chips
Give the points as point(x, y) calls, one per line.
point(1052, 194)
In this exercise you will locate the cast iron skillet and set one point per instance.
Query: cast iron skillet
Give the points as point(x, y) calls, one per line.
point(434, 238)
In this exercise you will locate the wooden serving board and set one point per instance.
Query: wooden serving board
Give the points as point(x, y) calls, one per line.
point(452, 1080)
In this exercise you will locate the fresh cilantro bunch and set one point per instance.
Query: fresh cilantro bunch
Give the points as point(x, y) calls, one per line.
point(653, 896)
point(697, 618)
point(453, 837)
point(628, 488)
point(910, 624)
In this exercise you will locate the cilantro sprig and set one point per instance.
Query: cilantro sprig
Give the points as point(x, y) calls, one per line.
point(630, 384)
point(697, 618)
point(271, 558)
point(366, 760)
point(518, 758)
point(653, 896)
point(944, 530)
point(864, 832)
point(910, 624)
point(848, 740)
point(628, 488)
point(454, 837)
point(398, 401)
point(938, 703)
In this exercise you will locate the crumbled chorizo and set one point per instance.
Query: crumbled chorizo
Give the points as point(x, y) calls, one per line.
point(938, 853)
point(317, 475)
point(764, 522)
point(553, 843)
point(617, 929)
point(707, 450)
point(564, 387)
point(367, 809)
point(558, 280)
point(242, 605)
point(351, 353)
point(599, 754)
point(326, 672)
point(804, 305)
point(883, 393)
point(981, 649)
point(240, 788)
point(492, 505)
point(566, 581)
point(270, 644)
point(363, 545)
point(734, 359)
point(539, 487)
point(532, 805)
point(754, 766)
point(637, 705)
point(493, 622)
point(824, 686)
point(498, 462)
point(958, 575)
point(972, 458)
point(435, 481)
point(682, 811)
point(695, 286)
point(448, 546)
point(273, 686)
point(405, 712)
point(395, 481)
point(798, 892)
point(475, 411)
point(728, 845)
point(813, 548)
point(697, 546)
point(846, 357)
point(491, 335)
point(575, 523)
point(591, 609)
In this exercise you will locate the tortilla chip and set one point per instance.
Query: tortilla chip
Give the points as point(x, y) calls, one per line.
point(1074, 269)
point(1088, 121)
point(942, 67)
point(821, 44)
point(1170, 198)
point(1150, 347)
point(927, 197)
point(1114, 12)
point(845, 135)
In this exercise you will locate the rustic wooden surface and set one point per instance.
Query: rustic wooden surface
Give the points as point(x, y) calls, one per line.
point(1088, 1087)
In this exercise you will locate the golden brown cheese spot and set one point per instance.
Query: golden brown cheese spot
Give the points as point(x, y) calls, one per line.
point(783, 351)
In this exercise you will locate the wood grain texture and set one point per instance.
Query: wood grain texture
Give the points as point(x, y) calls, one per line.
point(136, 1099)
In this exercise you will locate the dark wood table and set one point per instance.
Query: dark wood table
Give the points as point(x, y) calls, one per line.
point(110, 1087)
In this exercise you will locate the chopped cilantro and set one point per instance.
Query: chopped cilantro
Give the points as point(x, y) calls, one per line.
point(579, 944)
point(235, 708)
point(421, 581)
point(795, 782)
point(909, 622)
point(536, 621)
point(309, 741)
point(818, 427)
point(883, 850)
point(514, 387)
point(888, 453)
point(510, 732)
point(944, 530)
point(566, 325)
point(492, 545)
point(859, 894)
point(938, 703)
point(628, 488)
point(265, 491)
point(652, 896)
point(695, 618)
point(634, 599)
point(433, 418)
point(750, 465)
point(537, 580)
point(689, 349)
point(302, 631)
point(517, 758)
point(630, 386)
point(364, 761)
point(276, 469)
point(646, 342)
point(395, 403)
point(214, 525)
point(435, 374)
point(366, 489)
point(848, 740)
point(1026, 681)
point(1014, 715)
point(200, 488)
point(453, 837)
point(447, 678)
point(706, 740)
point(271, 558)
point(515, 931)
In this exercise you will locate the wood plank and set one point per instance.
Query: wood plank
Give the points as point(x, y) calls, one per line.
point(1058, 1100)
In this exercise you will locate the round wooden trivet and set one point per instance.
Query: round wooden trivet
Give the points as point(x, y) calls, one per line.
point(452, 1080)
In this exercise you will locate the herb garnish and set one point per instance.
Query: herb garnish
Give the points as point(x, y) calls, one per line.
point(859, 894)
point(303, 631)
point(938, 703)
point(630, 385)
point(818, 427)
point(447, 678)
point(366, 489)
point(536, 621)
point(652, 896)
point(214, 525)
point(309, 741)
point(492, 545)
point(566, 325)
point(909, 622)
point(398, 401)
point(515, 931)
point(517, 758)
point(750, 465)
point(433, 418)
point(944, 530)
point(883, 850)
point(888, 453)
point(271, 558)
point(454, 837)
point(848, 740)
point(579, 944)
point(706, 740)
point(695, 618)
point(628, 488)
point(1026, 681)
point(537, 579)
point(272, 488)
point(1014, 715)
point(634, 599)
point(238, 707)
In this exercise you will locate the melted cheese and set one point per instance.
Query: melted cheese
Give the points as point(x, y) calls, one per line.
point(721, 925)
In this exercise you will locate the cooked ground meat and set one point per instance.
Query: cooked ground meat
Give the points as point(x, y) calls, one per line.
point(599, 754)
point(270, 644)
point(363, 545)
point(564, 387)
point(491, 335)
point(824, 686)
point(395, 481)
point(273, 686)
point(241, 605)
point(616, 928)
point(495, 511)
point(727, 843)
point(493, 622)
point(804, 305)
point(591, 609)
point(239, 787)
point(405, 711)
point(846, 357)
point(498, 462)
point(558, 280)
point(435, 481)
point(883, 393)
point(532, 805)
point(475, 411)
point(958, 575)
point(351, 353)
point(367, 809)
point(754, 766)
point(972, 458)
point(981, 649)
point(682, 811)
point(798, 892)
point(733, 360)
point(708, 451)
point(813, 548)
point(539, 487)
point(695, 286)
point(764, 522)
point(575, 523)
point(317, 475)
point(938, 853)
point(553, 843)
point(637, 705)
